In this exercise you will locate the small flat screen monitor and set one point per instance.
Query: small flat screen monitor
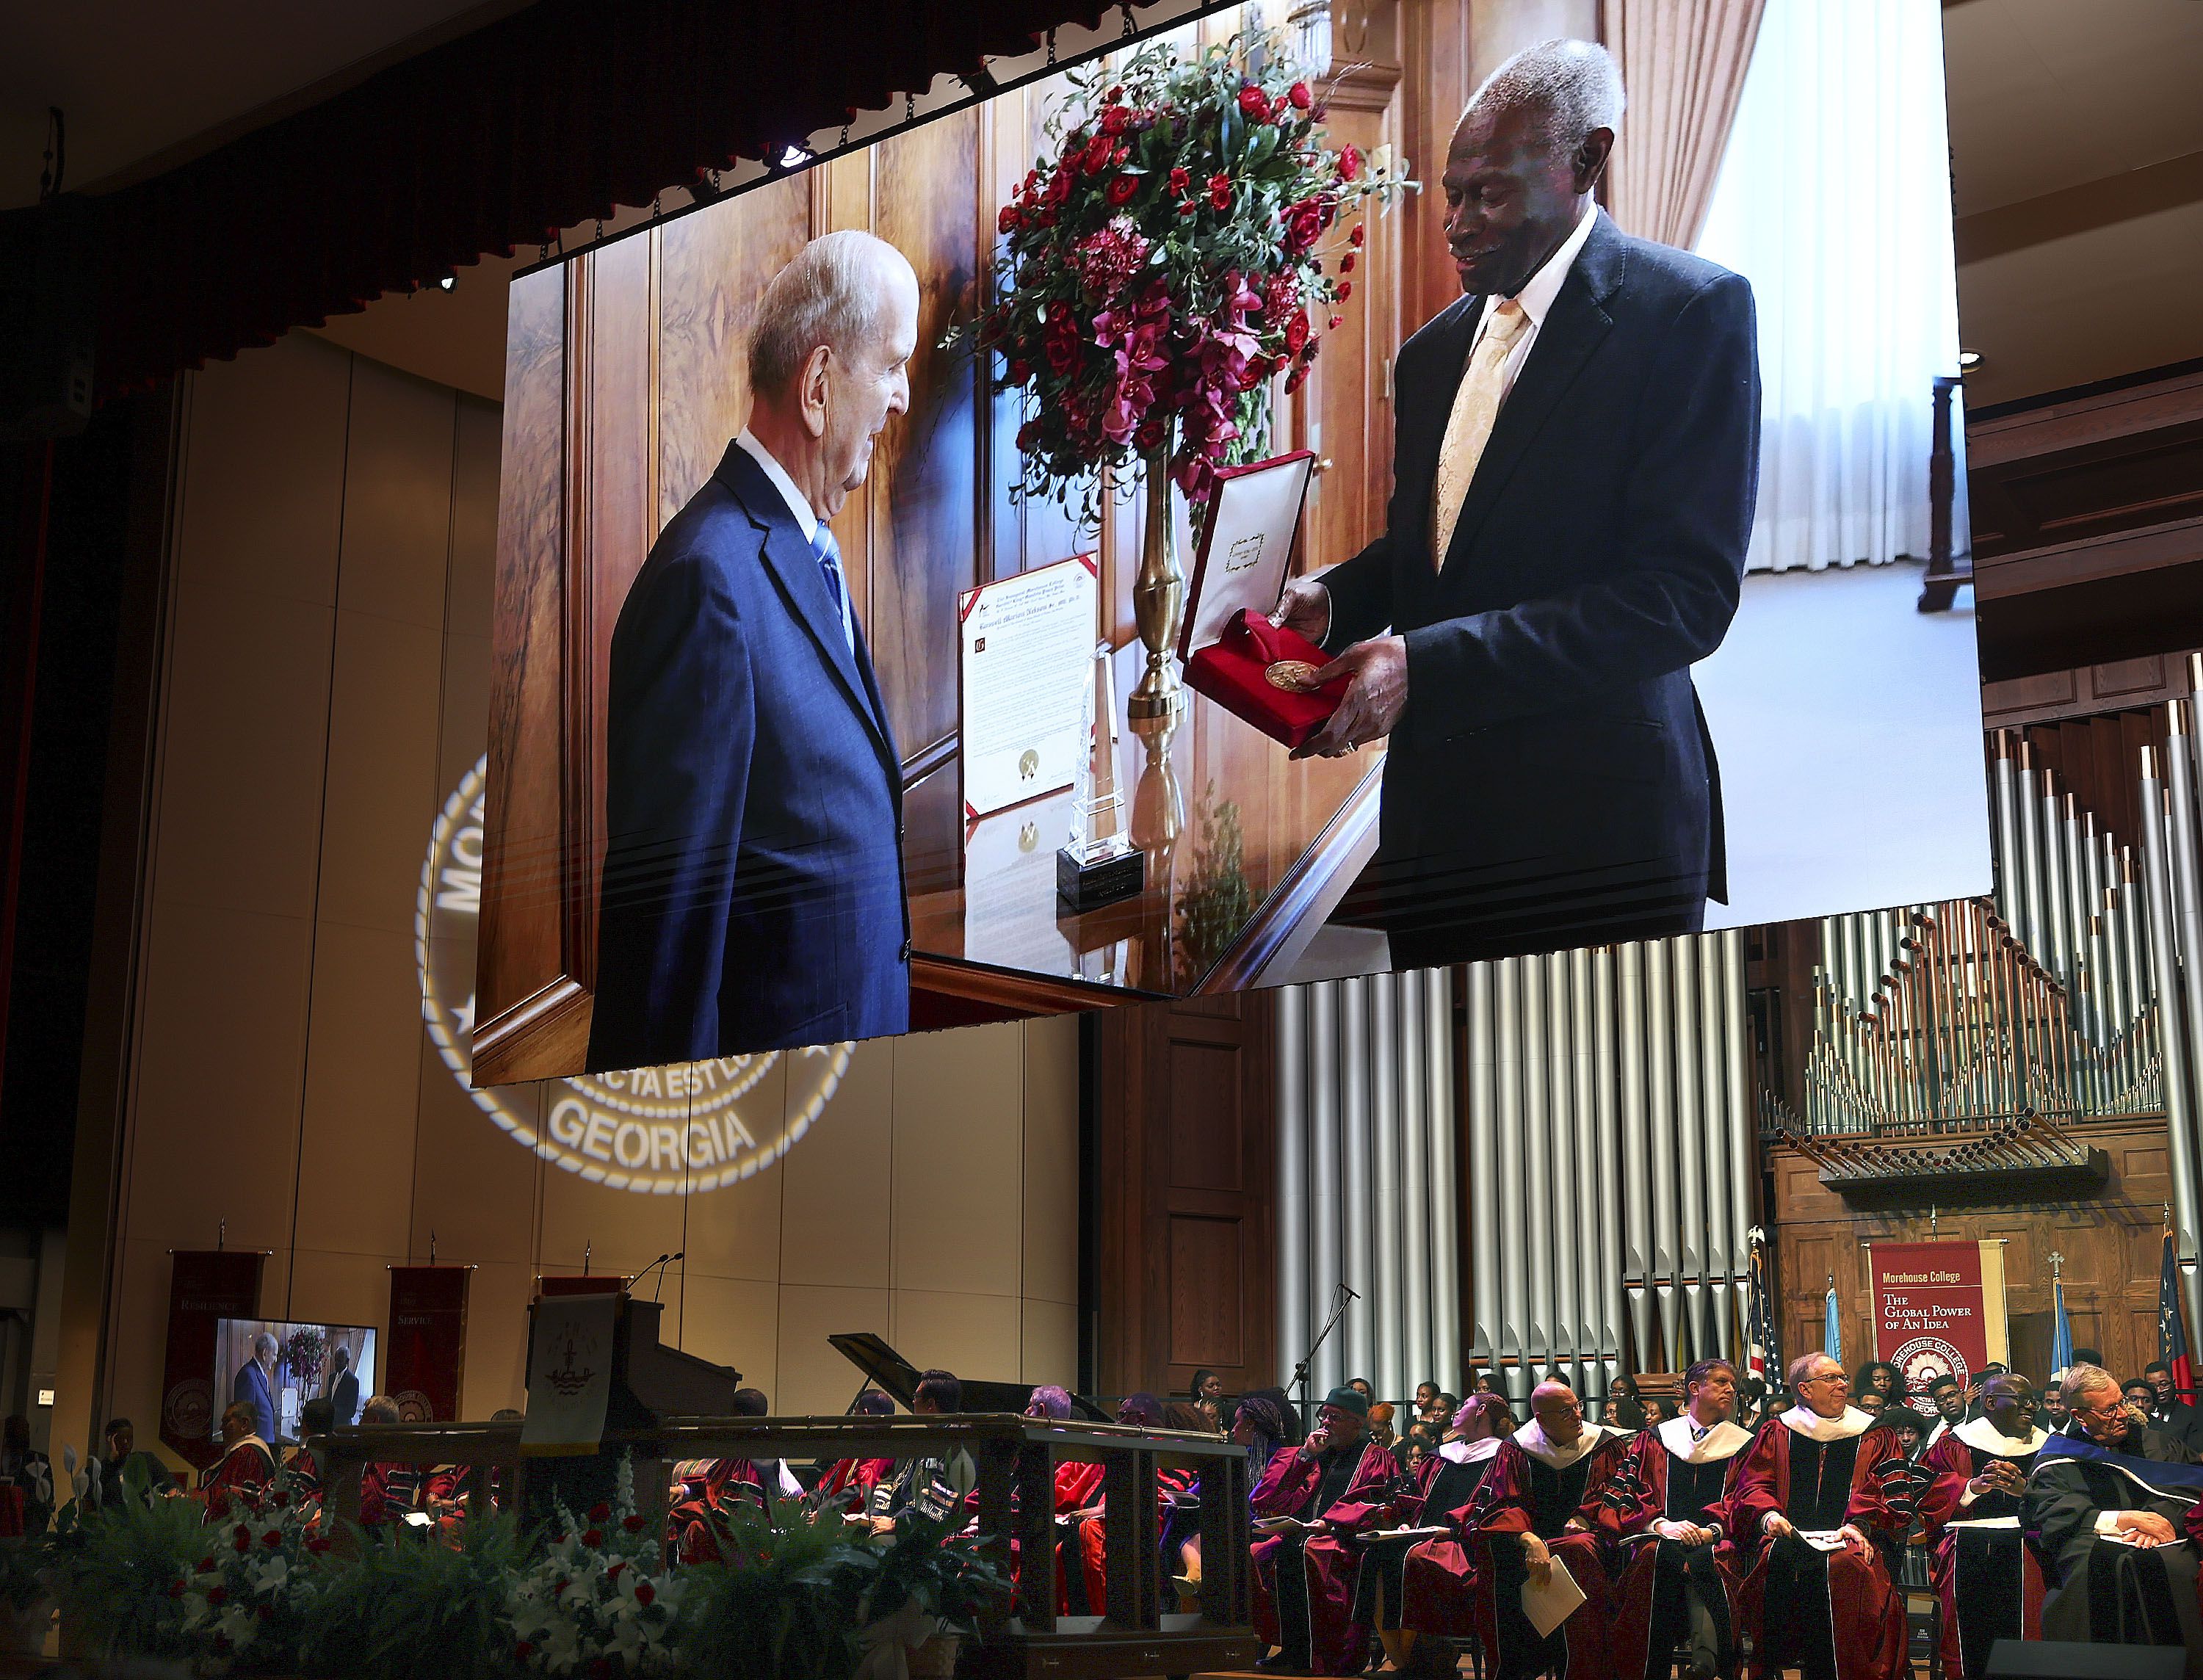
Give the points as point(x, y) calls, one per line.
point(278, 1365)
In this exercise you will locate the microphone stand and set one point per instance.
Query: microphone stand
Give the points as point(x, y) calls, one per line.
point(1301, 1370)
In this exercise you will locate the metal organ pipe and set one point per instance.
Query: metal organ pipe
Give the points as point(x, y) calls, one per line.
point(1414, 1227)
point(1514, 1281)
point(1690, 1118)
point(1636, 1171)
point(1537, 1155)
point(1588, 1330)
point(1484, 1159)
point(1659, 994)
point(1389, 1053)
point(1567, 1185)
point(1444, 1203)
point(2182, 1012)
point(1325, 1184)
point(1293, 1333)
point(1713, 1125)
point(1606, 1100)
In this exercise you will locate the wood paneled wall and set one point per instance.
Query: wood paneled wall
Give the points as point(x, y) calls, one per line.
point(2111, 1243)
point(1185, 1265)
point(626, 380)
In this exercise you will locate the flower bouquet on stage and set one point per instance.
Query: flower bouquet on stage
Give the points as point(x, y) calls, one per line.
point(1160, 275)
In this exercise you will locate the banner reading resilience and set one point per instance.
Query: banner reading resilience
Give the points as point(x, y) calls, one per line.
point(1938, 1308)
point(204, 1286)
point(428, 1340)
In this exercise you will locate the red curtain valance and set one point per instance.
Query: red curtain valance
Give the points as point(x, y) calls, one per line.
point(548, 118)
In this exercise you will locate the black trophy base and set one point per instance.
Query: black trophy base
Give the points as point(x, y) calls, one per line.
point(1083, 885)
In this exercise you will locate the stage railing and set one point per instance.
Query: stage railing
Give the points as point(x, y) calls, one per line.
point(1014, 1459)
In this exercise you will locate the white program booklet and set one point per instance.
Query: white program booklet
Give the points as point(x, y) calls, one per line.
point(1822, 1540)
point(1548, 1606)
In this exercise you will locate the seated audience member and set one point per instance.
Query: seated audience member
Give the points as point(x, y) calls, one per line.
point(1911, 1429)
point(387, 1491)
point(1416, 1582)
point(2141, 1397)
point(918, 1486)
point(1878, 1377)
point(1141, 1410)
point(1873, 1402)
point(1207, 1391)
point(1380, 1424)
point(2172, 1414)
point(1625, 1408)
point(703, 1489)
point(1988, 1582)
point(1948, 1397)
point(1821, 1492)
point(1537, 1508)
point(247, 1463)
point(2104, 1503)
point(1426, 1396)
point(2054, 1414)
point(449, 1488)
point(1308, 1507)
point(1412, 1448)
point(859, 1477)
point(1362, 1386)
point(1178, 1495)
point(125, 1463)
point(1663, 1518)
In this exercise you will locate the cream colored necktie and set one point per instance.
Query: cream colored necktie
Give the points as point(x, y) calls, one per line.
point(1468, 428)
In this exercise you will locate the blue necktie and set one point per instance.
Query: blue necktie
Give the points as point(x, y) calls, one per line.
point(829, 563)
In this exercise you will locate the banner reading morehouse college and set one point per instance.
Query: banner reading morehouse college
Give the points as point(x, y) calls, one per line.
point(1938, 1309)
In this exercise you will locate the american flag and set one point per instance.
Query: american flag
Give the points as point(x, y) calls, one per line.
point(2171, 1332)
point(1762, 1357)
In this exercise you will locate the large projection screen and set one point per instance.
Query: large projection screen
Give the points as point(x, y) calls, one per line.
point(1632, 709)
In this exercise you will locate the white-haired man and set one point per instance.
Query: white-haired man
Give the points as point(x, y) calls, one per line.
point(1575, 466)
point(2107, 1504)
point(1822, 1490)
point(752, 892)
point(254, 1385)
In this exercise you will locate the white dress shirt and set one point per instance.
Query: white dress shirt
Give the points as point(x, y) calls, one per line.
point(806, 518)
point(1536, 299)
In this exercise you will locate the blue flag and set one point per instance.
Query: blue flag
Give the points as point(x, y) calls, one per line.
point(1832, 1332)
point(2061, 1330)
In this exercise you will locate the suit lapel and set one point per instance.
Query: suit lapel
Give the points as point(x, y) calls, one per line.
point(1571, 333)
point(795, 569)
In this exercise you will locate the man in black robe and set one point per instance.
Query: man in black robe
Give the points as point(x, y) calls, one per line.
point(2105, 1504)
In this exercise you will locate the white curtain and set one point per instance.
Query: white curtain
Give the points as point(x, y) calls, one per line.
point(1834, 200)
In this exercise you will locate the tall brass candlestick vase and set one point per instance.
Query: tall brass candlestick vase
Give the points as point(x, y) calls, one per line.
point(1158, 597)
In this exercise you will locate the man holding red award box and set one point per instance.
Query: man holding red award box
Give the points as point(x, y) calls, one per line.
point(1576, 469)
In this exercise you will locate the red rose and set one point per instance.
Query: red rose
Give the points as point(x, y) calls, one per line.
point(1345, 291)
point(613, 1573)
point(1009, 221)
point(1096, 158)
point(632, 1522)
point(1298, 97)
point(243, 1540)
point(600, 1512)
point(1020, 371)
point(1304, 226)
point(1122, 189)
point(318, 1546)
point(1150, 434)
point(272, 1539)
point(1337, 320)
point(1180, 180)
point(1358, 235)
point(644, 1592)
point(600, 1668)
point(1349, 164)
point(1346, 263)
point(1116, 120)
point(206, 1565)
point(1028, 434)
point(1188, 206)
point(1297, 378)
point(1059, 187)
point(1121, 156)
point(217, 1594)
point(523, 1651)
point(175, 1589)
point(1058, 313)
point(1063, 356)
point(1113, 96)
point(594, 1538)
point(1255, 103)
point(1296, 333)
point(1220, 191)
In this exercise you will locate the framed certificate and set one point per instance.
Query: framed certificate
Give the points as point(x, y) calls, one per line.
point(1026, 656)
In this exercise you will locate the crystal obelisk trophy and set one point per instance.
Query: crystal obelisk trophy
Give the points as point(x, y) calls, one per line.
point(1099, 864)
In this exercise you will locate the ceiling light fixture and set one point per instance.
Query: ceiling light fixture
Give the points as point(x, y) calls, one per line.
point(449, 283)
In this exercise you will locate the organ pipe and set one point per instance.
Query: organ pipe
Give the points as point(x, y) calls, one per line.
point(1325, 1183)
point(1712, 1124)
point(1293, 1332)
point(1606, 1101)
point(1660, 1044)
point(1636, 1177)
point(1439, 1127)
point(1514, 1284)
point(1389, 1055)
point(1483, 1160)
point(1690, 1110)
point(1415, 1228)
point(1356, 1268)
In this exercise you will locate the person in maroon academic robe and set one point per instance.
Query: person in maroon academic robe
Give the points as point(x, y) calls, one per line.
point(1309, 1506)
point(1537, 1506)
point(1663, 1518)
point(1989, 1582)
point(1418, 1582)
point(1822, 1472)
point(247, 1464)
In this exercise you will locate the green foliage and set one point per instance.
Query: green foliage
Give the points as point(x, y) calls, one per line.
point(925, 1562)
point(1218, 900)
point(114, 1572)
point(780, 1605)
point(411, 1605)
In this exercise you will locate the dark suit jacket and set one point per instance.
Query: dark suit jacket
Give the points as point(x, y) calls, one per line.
point(1552, 781)
point(753, 895)
point(344, 1398)
point(250, 1386)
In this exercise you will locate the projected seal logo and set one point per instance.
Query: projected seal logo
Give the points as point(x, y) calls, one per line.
point(1924, 1359)
point(692, 1126)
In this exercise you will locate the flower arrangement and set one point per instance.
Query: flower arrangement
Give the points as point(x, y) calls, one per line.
point(253, 1591)
point(598, 1601)
point(305, 1352)
point(1179, 251)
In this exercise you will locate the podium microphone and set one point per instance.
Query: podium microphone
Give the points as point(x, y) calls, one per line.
point(657, 1266)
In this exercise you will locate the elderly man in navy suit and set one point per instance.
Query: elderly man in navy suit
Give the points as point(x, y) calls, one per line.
point(753, 895)
point(1575, 465)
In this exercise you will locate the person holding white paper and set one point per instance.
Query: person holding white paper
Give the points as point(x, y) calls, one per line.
point(2106, 1503)
point(1989, 1582)
point(1822, 1492)
point(1537, 1512)
point(1416, 1579)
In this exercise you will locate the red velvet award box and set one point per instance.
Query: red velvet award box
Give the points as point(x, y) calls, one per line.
point(1231, 652)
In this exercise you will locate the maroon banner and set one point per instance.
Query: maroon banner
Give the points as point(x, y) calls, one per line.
point(427, 1355)
point(205, 1285)
point(1938, 1309)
